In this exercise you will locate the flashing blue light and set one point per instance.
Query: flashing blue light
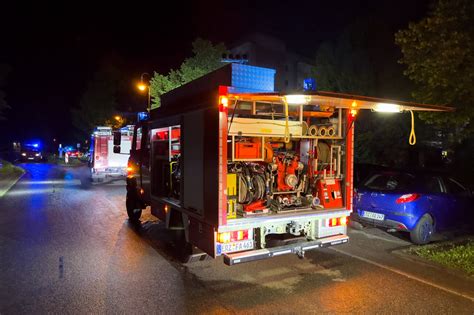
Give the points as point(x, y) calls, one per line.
point(309, 84)
point(142, 116)
point(35, 145)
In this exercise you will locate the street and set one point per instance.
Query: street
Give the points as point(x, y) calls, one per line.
point(66, 246)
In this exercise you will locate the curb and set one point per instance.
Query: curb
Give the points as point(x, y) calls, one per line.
point(4, 192)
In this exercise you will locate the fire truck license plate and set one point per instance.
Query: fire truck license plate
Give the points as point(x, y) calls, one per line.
point(236, 246)
point(373, 215)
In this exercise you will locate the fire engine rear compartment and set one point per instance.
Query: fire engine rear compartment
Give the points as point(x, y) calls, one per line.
point(249, 173)
point(231, 170)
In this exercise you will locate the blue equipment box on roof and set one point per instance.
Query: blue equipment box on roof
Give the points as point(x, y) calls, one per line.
point(252, 79)
point(204, 90)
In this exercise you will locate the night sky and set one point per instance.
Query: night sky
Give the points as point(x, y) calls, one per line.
point(54, 50)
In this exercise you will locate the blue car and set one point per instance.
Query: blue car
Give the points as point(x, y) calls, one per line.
point(418, 203)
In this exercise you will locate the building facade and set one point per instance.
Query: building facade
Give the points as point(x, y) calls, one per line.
point(266, 51)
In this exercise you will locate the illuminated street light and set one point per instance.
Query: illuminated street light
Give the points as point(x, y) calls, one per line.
point(118, 118)
point(142, 86)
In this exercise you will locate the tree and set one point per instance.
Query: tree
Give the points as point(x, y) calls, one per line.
point(207, 58)
point(4, 69)
point(98, 103)
point(345, 65)
point(438, 53)
point(353, 64)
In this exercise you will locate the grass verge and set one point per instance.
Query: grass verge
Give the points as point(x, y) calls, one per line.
point(456, 255)
point(7, 169)
point(9, 175)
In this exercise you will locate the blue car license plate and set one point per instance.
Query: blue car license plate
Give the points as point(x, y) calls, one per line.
point(373, 215)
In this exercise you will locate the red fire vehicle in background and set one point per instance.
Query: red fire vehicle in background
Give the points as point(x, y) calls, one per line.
point(103, 161)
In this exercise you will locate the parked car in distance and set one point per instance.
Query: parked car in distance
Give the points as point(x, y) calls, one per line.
point(416, 202)
point(72, 152)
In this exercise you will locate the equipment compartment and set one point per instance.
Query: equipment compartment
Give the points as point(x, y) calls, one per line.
point(281, 162)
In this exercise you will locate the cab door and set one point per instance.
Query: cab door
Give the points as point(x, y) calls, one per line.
point(145, 170)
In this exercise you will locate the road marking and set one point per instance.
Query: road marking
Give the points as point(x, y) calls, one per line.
point(404, 274)
point(51, 182)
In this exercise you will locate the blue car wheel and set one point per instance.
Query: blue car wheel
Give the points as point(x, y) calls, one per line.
point(423, 231)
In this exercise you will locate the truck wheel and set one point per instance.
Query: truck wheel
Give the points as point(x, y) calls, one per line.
point(423, 231)
point(134, 210)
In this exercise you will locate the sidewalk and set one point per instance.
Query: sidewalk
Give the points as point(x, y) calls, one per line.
point(388, 251)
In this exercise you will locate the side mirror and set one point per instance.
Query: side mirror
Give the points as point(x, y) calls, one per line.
point(116, 149)
point(117, 138)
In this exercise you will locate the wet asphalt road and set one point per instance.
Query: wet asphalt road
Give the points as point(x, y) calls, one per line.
point(66, 247)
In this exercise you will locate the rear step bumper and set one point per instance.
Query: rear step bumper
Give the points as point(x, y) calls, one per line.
point(298, 248)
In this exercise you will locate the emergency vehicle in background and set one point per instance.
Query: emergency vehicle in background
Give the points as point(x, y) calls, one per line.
point(103, 161)
point(246, 172)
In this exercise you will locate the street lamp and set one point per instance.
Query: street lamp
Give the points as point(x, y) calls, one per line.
point(142, 86)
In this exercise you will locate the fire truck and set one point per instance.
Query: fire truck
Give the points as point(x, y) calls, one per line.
point(103, 161)
point(249, 173)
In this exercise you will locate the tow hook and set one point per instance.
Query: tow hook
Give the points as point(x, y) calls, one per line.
point(300, 253)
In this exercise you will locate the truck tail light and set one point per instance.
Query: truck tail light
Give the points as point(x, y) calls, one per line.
point(342, 221)
point(234, 236)
point(130, 169)
point(407, 198)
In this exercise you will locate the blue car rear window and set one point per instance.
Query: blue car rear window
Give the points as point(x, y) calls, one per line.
point(390, 181)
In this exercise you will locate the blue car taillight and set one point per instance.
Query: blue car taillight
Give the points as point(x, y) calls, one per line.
point(407, 198)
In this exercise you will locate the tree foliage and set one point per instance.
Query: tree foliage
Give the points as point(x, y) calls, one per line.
point(98, 103)
point(345, 64)
point(206, 58)
point(353, 64)
point(4, 69)
point(438, 53)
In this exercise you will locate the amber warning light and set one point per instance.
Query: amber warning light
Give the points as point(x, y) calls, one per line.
point(336, 221)
point(223, 103)
point(234, 236)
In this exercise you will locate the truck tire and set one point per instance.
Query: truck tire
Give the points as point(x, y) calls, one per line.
point(423, 230)
point(134, 209)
